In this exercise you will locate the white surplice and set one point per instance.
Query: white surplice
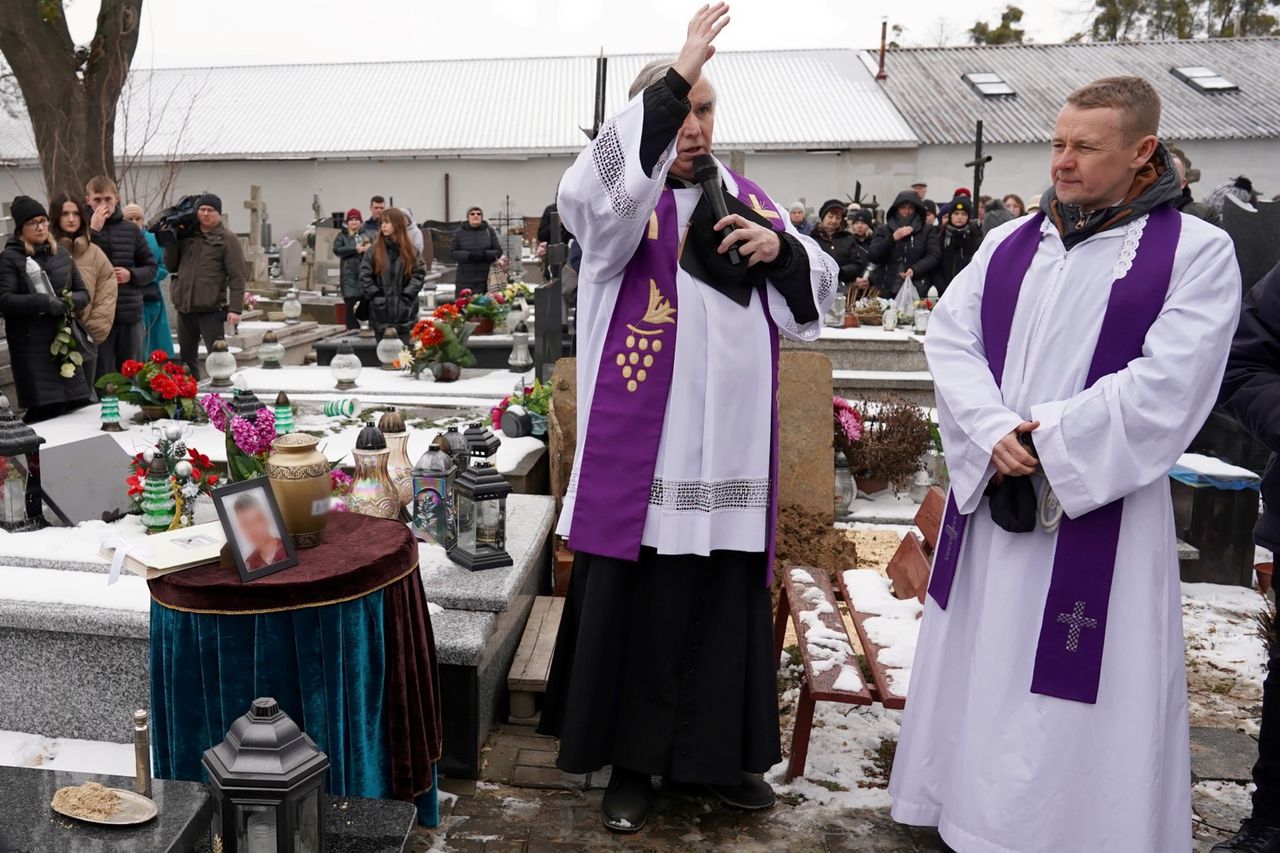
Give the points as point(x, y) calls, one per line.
point(995, 766)
point(711, 483)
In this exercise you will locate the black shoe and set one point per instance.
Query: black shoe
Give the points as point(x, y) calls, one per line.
point(625, 807)
point(1253, 837)
point(751, 794)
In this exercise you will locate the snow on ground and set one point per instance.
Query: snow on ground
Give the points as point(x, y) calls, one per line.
point(844, 768)
point(18, 749)
point(1221, 628)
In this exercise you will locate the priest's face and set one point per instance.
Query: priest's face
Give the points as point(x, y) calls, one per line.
point(1095, 156)
point(695, 134)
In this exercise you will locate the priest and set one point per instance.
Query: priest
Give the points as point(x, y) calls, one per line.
point(664, 663)
point(1074, 360)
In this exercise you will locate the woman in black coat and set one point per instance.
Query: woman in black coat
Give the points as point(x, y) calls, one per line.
point(905, 244)
point(33, 316)
point(475, 248)
point(391, 276)
point(961, 237)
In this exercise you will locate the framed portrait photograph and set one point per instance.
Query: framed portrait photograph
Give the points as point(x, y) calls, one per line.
point(256, 535)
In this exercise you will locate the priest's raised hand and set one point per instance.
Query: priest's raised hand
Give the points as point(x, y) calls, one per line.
point(706, 24)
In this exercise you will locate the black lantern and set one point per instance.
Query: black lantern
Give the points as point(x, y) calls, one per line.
point(482, 444)
point(452, 443)
point(246, 404)
point(481, 494)
point(267, 780)
point(21, 498)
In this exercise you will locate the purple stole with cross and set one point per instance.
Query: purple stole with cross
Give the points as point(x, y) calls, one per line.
point(619, 453)
point(1068, 661)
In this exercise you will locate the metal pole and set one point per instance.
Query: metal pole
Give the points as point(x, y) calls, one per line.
point(548, 308)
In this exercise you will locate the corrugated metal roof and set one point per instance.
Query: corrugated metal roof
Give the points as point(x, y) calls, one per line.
point(926, 85)
point(491, 107)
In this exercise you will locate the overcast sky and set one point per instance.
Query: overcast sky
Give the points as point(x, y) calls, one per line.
point(179, 33)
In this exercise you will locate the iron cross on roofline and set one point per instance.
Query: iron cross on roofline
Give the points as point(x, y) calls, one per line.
point(979, 164)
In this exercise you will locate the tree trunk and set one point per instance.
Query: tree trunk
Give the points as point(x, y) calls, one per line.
point(70, 93)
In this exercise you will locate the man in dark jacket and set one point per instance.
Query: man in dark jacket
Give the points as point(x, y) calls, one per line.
point(905, 247)
point(135, 267)
point(208, 288)
point(475, 248)
point(960, 237)
point(831, 235)
point(862, 227)
point(377, 204)
point(1251, 394)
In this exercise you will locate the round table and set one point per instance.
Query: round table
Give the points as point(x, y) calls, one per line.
point(342, 641)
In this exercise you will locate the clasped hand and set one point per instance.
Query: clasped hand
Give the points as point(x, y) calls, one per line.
point(1010, 457)
point(755, 242)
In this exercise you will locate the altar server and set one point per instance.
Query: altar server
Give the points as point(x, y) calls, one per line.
point(1074, 360)
point(664, 665)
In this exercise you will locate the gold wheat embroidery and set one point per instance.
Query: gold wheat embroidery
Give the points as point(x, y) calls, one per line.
point(660, 310)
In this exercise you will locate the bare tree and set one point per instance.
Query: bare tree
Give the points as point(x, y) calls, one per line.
point(70, 90)
point(147, 121)
point(942, 33)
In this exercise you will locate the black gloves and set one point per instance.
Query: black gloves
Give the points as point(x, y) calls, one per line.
point(55, 306)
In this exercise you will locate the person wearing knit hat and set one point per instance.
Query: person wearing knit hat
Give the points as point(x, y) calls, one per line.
point(834, 239)
point(37, 278)
point(961, 234)
point(1240, 189)
point(157, 334)
point(25, 208)
point(209, 286)
point(349, 248)
point(800, 218)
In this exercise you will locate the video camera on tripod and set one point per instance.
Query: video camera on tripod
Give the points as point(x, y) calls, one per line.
point(175, 222)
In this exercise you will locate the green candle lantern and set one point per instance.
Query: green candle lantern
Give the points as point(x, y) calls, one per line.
point(283, 411)
point(110, 413)
point(158, 505)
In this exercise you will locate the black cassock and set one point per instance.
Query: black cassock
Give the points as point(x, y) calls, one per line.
point(666, 666)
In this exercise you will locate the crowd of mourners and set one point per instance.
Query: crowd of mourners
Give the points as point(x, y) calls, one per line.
point(919, 242)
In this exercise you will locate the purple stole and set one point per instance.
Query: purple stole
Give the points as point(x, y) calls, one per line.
point(1072, 631)
point(619, 453)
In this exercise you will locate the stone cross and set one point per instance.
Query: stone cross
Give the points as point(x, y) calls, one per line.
point(256, 254)
point(1077, 620)
point(979, 163)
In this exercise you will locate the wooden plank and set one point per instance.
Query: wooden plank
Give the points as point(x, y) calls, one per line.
point(929, 517)
point(879, 672)
point(817, 620)
point(909, 569)
point(533, 657)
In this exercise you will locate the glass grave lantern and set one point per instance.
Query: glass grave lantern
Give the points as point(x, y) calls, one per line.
point(283, 410)
point(345, 367)
point(482, 444)
point(21, 505)
point(372, 492)
point(520, 361)
point(399, 468)
point(452, 443)
point(271, 351)
point(482, 518)
point(291, 307)
point(434, 498)
point(388, 349)
point(220, 364)
point(267, 780)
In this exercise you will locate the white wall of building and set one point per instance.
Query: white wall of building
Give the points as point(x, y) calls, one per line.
point(288, 185)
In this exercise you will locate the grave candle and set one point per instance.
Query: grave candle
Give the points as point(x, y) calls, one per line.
point(283, 410)
point(110, 412)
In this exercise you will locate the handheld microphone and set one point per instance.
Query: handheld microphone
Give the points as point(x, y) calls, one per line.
point(707, 174)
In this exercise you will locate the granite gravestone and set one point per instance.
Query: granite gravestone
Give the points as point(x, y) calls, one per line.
point(85, 480)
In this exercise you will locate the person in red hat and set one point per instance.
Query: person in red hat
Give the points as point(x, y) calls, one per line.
point(349, 247)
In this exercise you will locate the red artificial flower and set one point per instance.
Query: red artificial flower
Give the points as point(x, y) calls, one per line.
point(198, 459)
point(131, 368)
point(211, 480)
point(499, 298)
point(465, 292)
point(187, 387)
point(447, 311)
point(159, 356)
point(164, 386)
point(174, 368)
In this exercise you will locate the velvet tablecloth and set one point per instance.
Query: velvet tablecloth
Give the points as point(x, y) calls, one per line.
point(342, 640)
